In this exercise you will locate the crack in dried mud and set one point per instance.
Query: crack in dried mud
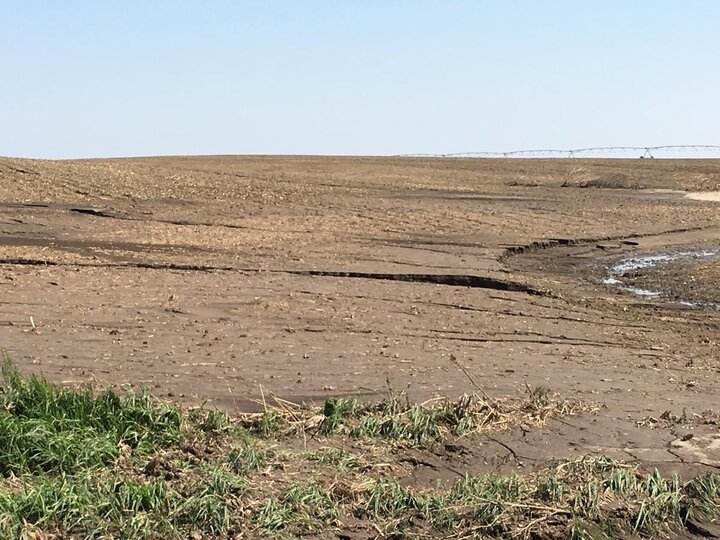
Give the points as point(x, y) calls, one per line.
point(453, 280)
point(551, 340)
point(555, 242)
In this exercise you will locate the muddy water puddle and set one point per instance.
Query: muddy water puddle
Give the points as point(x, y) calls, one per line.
point(664, 276)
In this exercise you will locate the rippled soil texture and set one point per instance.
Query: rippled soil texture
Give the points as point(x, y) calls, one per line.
point(207, 279)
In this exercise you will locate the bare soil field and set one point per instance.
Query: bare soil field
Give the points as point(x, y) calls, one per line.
point(223, 281)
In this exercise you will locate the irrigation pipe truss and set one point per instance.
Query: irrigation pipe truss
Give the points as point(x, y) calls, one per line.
point(646, 151)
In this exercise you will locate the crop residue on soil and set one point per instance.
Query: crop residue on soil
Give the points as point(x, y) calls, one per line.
point(222, 281)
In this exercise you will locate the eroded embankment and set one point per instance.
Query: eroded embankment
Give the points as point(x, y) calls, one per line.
point(688, 278)
point(679, 266)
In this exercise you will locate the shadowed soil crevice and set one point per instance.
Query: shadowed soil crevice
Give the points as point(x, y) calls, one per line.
point(453, 280)
point(146, 265)
point(89, 247)
point(555, 242)
point(97, 212)
point(179, 222)
point(550, 340)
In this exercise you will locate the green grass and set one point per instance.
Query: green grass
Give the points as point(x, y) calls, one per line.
point(248, 457)
point(76, 464)
point(338, 458)
point(46, 428)
point(305, 507)
point(212, 421)
point(389, 499)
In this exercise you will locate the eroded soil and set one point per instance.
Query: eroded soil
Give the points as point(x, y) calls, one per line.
point(209, 279)
point(692, 282)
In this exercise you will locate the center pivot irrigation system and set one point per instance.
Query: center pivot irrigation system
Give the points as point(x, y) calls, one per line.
point(642, 151)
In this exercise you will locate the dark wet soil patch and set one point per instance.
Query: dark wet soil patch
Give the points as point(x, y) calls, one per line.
point(557, 242)
point(693, 282)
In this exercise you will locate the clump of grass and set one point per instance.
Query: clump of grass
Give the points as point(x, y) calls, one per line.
point(489, 495)
point(110, 505)
point(87, 504)
point(549, 488)
point(661, 503)
point(594, 485)
point(594, 497)
point(209, 513)
point(395, 418)
point(489, 487)
point(338, 458)
point(439, 515)
point(388, 499)
point(212, 421)
point(46, 428)
point(336, 411)
point(247, 457)
point(702, 494)
point(305, 506)
point(417, 425)
point(217, 480)
point(267, 424)
point(274, 516)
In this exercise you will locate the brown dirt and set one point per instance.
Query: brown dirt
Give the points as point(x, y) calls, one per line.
point(208, 278)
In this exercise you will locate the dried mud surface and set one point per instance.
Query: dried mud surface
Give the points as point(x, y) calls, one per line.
point(209, 278)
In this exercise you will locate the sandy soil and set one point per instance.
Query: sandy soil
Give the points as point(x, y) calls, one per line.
point(704, 196)
point(208, 278)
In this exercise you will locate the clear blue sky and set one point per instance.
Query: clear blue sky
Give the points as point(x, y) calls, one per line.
point(131, 77)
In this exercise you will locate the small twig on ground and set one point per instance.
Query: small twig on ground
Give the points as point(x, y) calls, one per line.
point(509, 449)
point(262, 394)
point(472, 381)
